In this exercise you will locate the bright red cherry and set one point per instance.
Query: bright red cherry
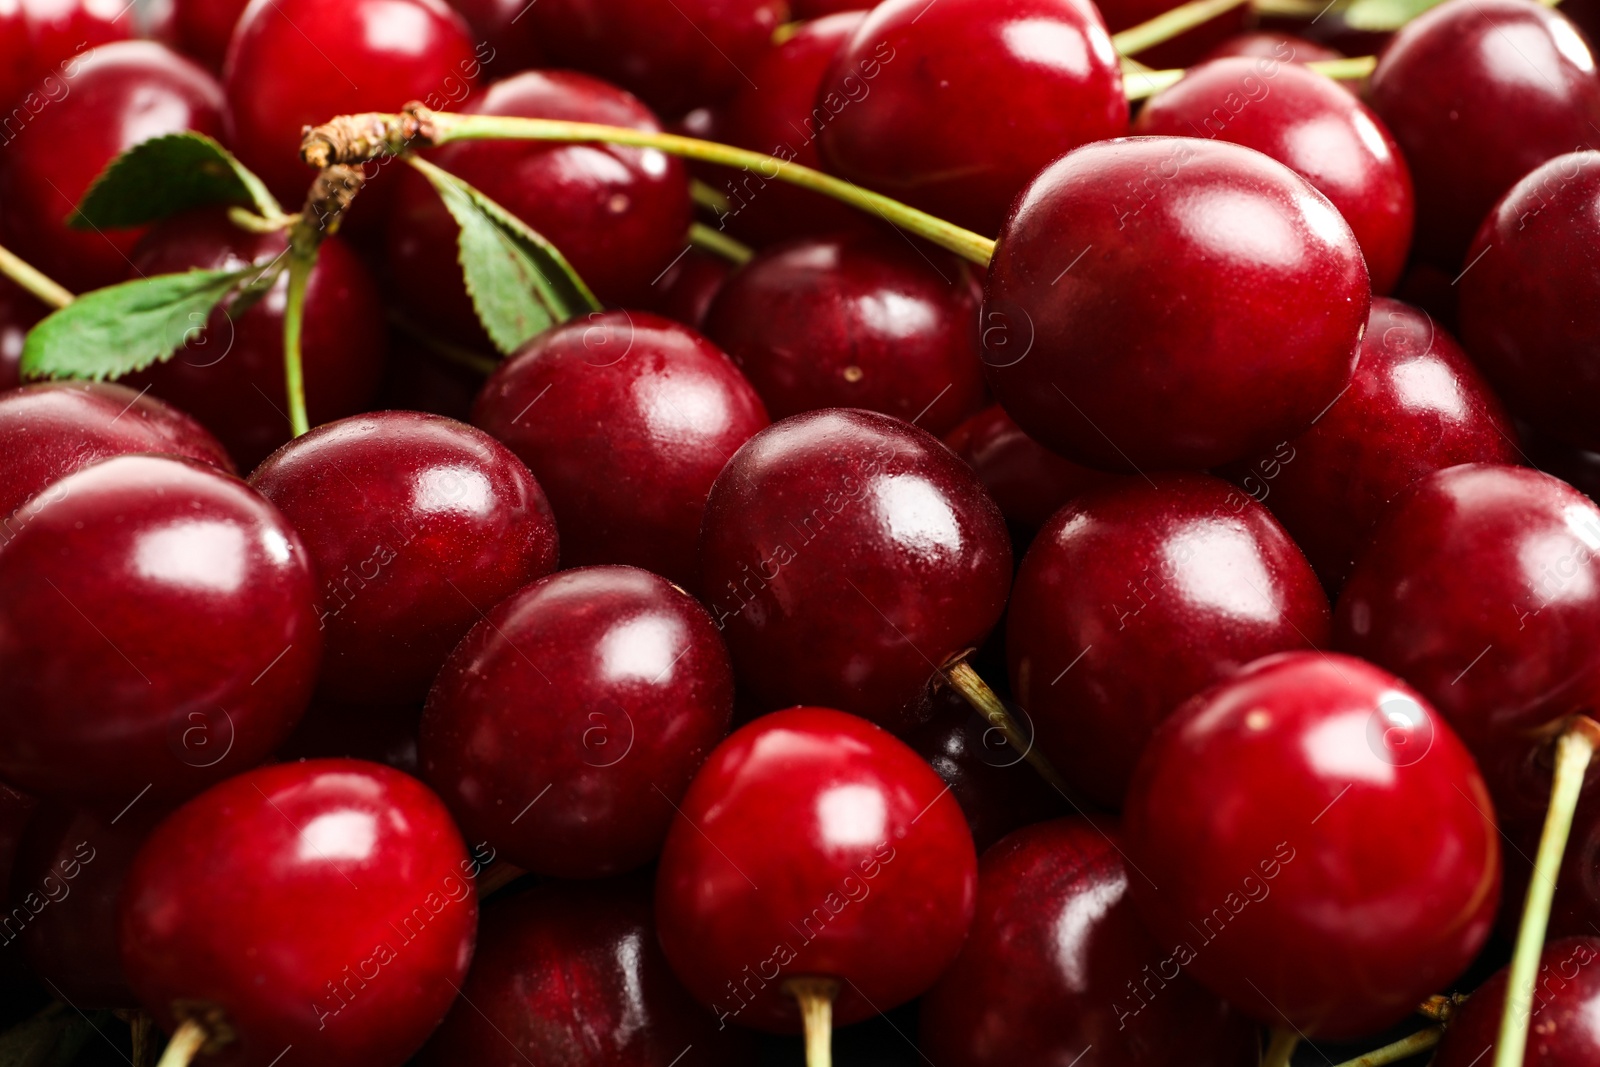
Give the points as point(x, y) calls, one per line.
point(115, 97)
point(18, 314)
point(1250, 333)
point(847, 556)
point(417, 525)
point(685, 291)
point(38, 40)
point(1185, 571)
point(1370, 879)
point(183, 654)
point(1186, 48)
point(856, 320)
point(206, 26)
point(1565, 1028)
point(626, 419)
point(326, 905)
point(1058, 968)
point(1478, 93)
point(1270, 44)
point(813, 845)
point(1415, 405)
point(914, 100)
point(1027, 480)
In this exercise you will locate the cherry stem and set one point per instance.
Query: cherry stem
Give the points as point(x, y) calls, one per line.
point(970, 684)
point(1405, 1048)
point(33, 280)
point(1142, 84)
point(141, 1029)
point(294, 378)
point(709, 197)
point(718, 243)
point(815, 996)
point(1574, 749)
point(1169, 24)
point(250, 222)
point(1280, 1048)
point(1441, 1008)
point(497, 877)
point(185, 1045)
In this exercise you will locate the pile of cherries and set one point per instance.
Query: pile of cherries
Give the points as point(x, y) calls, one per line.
point(606, 702)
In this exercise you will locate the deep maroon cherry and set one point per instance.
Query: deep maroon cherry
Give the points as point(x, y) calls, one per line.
point(1478, 93)
point(416, 525)
point(115, 97)
point(386, 735)
point(1565, 1027)
point(38, 40)
point(813, 845)
point(1169, 301)
point(1369, 880)
point(1530, 304)
point(855, 320)
point(327, 905)
point(626, 419)
point(1058, 969)
point(512, 39)
point(1270, 44)
point(1184, 571)
point(913, 100)
point(1186, 48)
point(50, 429)
point(206, 26)
point(16, 812)
point(182, 653)
point(1415, 405)
point(847, 556)
point(1027, 480)
point(685, 291)
point(18, 314)
point(819, 9)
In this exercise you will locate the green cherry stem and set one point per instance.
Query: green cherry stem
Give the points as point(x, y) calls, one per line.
point(709, 197)
point(970, 684)
point(185, 1045)
point(33, 280)
point(1404, 1049)
point(718, 243)
point(1169, 24)
point(294, 378)
point(1142, 84)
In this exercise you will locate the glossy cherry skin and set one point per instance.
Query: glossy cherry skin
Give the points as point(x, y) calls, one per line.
point(349, 907)
point(1251, 332)
point(1058, 966)
point(18, 314)
point(1181, 51)
point(1027, 480)
point(185, 653)
point(1536, 336)
point(1478, 94)
point(813, 844)
point(1565, 1028)
point(855, 320)
point(570, 975)
point(685, 292)
point(617, 214)
point(230, 375)
point(1185, 571)
point(298, 63)
point(416, 525)
point(50, 429)
point(1415, 405)
point(1268, 44)
point(39, 38)
point(115, 97)
point(913, 100)
point(1369, 881)
point(206, 26)
point(626, 419)
point(846, 556)
point(1309, 123)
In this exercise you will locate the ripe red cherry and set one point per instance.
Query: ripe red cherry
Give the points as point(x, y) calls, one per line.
point(327, 905)
point(1186, 48)
point(626, 419)
point(1520, 805)
point(813, 845)
point(846, 556)
point(50, 429)
point(1536, 336)
point(1027, 480)
point(116, 96)
point(185, 653)
point(39, 38)
point(855, 320)
point(1270, 44)
point(416, 525)
point(1478, 93)
point(1369, 881)
point(1185, 571)
point(18, 314)
point(512, 39)
point(206, 26)
point(685, 292)
point(1415, 405)
point(1565, 1029)
point(1057, 963)
point(570, 973)
point(16, 811)
point(1097, 362)
point(912, 100)
point(230, 376)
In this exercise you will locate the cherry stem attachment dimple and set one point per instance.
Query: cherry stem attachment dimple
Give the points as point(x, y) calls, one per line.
point(1574, 749)
point(30, 278)
point(1395, 1051)
point(1169, 24)
point(815, 996)
point(720, 244)
point(185, 1045)
point(970, 684)
point(1280, 1048)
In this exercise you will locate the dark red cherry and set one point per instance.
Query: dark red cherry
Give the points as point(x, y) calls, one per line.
point(417, 525)
point(1530, 306)
point(856, 320)
point(1186, 48)
point(1058, 967)
point(1427, 287)
point(50, 429)
point(1565, 1027)
point(38, 40)
point(1578, 467)
point(1027, 480)
point(115, 97)
point(326, 905)
point(1309, 123)
point(1370, 880)
point(18, 314)
point(503, 25)
point(381, 734)
point(819, 9)
point(417, 378)
point(1249, 333)
point(230, 375)
point(685, 290)
point(626, 419)
point(570, 973)
point(183, 653)
point(1415, 405)
point(913, 100)
point(1478, 93)
point(206, 26)
point(16, 811)
point(1271, 44)
point(813, 845)
point(847, 556)
point(618, 214)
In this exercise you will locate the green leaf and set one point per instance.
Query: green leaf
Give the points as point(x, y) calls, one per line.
point(1382, 16)
point(166, 175)
point(520, 284)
